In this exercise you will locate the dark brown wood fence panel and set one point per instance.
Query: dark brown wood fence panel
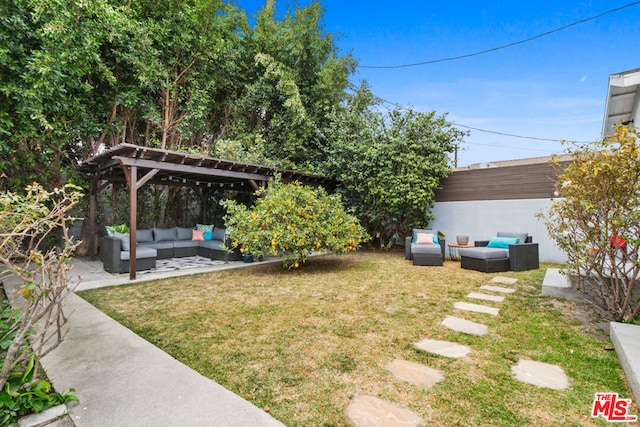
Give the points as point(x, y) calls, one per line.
point(530, 181)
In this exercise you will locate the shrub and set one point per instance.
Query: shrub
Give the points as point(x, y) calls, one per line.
point(293, 220)
point(27, 222)
point(596, 222)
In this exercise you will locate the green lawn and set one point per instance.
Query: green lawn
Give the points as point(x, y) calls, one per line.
point(303, 343)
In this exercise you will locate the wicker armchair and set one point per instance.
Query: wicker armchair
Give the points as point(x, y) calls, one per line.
point(421, 254)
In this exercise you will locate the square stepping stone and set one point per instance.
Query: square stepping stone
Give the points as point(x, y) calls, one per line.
point(497, 289)
point(371, 411)
point(477, 308)
point(443, 348)
point(486, 297)
point(465, 326)
point(504, 280)
point(540, 374)
point(414, 373)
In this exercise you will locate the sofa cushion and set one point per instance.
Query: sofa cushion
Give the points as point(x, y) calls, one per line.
point(502, 242)
point(425, 249)
point(424, 239)
point(185, 243)
point(197, 234)
point(164, 234)
point(213, 244)
point(484, 253)
point(208, 235)
point(141, 252)
point(521, 236)
point(157, 245)
point(205, 227)
point(143, 236)
point(219, 234)
point(124, 240)
point(183, 233)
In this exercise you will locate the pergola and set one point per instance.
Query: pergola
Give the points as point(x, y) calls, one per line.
point(137, 166)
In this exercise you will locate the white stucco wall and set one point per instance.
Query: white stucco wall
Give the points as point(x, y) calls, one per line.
point(482, 219)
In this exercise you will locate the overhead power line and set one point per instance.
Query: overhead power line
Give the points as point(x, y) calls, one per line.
point(490, 131)
point(493, 49)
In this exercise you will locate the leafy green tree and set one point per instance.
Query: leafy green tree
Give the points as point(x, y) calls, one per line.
point(293, 220)
point(596, 221)
point(388, 166)
point(296, 79)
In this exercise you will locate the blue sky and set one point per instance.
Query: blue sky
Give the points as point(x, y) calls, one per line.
point(553, 87)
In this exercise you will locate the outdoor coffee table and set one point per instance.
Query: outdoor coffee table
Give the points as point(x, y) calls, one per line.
point(453, 250)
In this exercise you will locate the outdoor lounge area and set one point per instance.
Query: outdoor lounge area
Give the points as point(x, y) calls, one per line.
point(138, 166)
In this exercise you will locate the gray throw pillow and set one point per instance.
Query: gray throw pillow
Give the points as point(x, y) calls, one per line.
point(124, 240)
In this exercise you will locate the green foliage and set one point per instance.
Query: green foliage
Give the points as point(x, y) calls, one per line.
point(117, 228)
point(23, 393)
point(388, 166)
point(293, 220)
point(596, 221)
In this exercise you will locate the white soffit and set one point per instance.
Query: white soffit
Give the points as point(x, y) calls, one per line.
point(621, 99)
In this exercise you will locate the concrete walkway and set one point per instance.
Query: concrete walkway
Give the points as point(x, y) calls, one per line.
point(123, 380)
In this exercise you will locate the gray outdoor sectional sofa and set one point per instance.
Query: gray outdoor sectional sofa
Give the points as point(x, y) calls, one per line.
point(161, 243)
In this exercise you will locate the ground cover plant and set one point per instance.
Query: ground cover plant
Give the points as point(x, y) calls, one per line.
point(301, 344)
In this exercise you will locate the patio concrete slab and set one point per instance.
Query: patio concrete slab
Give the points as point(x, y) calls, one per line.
point(465, 326)
point(497, 289)
point(504, 280)
point(443, 348)
point(626, 340)
point(540, 374)
point(557, 284)
point(477, 308)
point(486, 297)
point(371, 411)
point(414, 373)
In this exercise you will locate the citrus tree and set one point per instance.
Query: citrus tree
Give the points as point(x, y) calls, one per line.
point(596, 221)
point(293, 220)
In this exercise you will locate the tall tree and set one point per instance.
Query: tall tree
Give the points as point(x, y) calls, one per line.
point(297, 79)
point(388, 165)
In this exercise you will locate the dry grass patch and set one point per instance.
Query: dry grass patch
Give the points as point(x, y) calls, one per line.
point(304, 343)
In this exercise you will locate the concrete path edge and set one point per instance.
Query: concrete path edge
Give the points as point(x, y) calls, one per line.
point(626, 340)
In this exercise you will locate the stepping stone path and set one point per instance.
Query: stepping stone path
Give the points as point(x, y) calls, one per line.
point(371, 411)
point(478, 308)
point(541, 374)
point(415, 373)
point(443, 348)
point(465, 326)
point(486, 297)
point(497, 289)
point(504, 280)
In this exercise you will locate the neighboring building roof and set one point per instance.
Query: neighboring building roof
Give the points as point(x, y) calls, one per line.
point(516, 162)
point(622, 99)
